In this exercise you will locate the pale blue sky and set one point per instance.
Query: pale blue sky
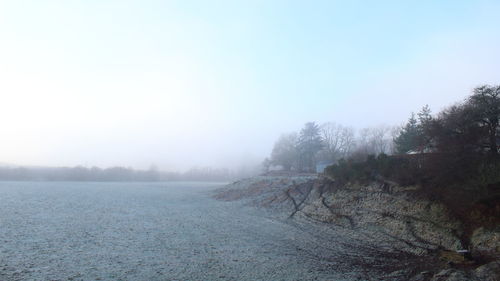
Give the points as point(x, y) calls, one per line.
point(182, 83)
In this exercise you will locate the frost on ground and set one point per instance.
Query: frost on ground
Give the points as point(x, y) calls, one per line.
point(177, 231)
point(137, 231)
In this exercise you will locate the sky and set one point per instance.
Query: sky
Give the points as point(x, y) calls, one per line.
point(179, 84)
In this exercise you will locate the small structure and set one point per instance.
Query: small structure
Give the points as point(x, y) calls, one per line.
point(421, 150)
point(321, 166)
point(418, 157)
point(274, 168)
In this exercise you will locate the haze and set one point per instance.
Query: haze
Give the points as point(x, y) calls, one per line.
point(214, 83)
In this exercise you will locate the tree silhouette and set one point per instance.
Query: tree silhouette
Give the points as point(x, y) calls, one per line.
point(309, 144)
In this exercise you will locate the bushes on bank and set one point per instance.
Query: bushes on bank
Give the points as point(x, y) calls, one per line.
point(402, 170)
point(429, 170)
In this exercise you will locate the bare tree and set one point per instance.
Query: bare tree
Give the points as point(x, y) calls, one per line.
point(364, 144)
point(374, 141)
point(338, 141)
point(485, 108)
point(380, 139)
point(395, 131)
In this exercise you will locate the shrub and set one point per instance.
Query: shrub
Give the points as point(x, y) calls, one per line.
point(393, 168)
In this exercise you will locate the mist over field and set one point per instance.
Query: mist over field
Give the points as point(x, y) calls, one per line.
point(183, 84)
point(250, 140)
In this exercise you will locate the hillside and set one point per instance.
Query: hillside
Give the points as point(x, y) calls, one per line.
point(389, 228)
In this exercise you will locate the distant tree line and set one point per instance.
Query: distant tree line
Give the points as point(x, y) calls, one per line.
point(118, 174)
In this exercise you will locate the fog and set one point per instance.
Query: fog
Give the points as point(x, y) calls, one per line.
point(188, 84)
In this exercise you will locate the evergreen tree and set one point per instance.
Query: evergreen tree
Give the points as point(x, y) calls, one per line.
point(424, 124)
point(424, 116)
point(408, 137)
point(285, 152)
point(309, 144)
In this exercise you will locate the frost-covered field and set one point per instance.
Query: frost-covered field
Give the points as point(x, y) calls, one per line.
point(147, 231)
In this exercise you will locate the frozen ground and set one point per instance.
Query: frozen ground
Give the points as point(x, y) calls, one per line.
point(153, 231)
